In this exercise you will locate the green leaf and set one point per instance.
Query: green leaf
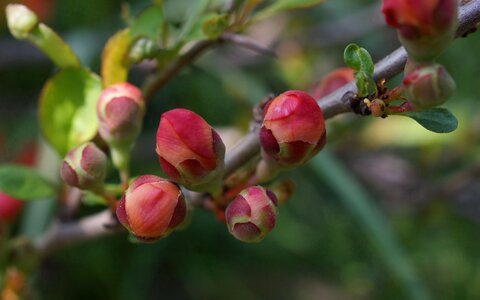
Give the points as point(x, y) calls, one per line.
point(282, 5)
point(365, 84)
point(114, 58)
point(215, 25)
point(192, 22)
point(149, 23)
point(439, 119)
point(67, 110)
point(92, 199)
point(24, 183)
point(358, 59)
point(209, 26)
point(361, 62)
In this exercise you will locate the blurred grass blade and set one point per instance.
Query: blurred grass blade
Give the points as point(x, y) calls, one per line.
point(374, 223)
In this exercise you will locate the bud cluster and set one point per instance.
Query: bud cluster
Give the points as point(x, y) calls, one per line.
point(425, 28)
point(192, 153)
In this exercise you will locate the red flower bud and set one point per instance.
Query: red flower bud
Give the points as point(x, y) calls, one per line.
point(190, 151)
point(151, 208)
point(84, 167)
point(251, 215)
point(425, 27)
point(429, 85)
point(120, 111)
point(332, 81)
point(293, 129)
point(9, 207)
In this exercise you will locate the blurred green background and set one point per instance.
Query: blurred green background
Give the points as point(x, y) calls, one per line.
point(387, 211)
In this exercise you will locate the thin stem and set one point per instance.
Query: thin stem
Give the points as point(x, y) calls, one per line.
point(404, 107)
point(248, 43)
point(157, 81)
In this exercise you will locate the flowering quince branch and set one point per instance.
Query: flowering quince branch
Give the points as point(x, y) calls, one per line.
point(335, 103)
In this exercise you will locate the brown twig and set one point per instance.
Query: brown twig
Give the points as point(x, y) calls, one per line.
point(157, 81)
point(72, 202)
point(63, 234)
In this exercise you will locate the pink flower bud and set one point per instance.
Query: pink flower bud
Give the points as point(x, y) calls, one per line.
point(151, 208)
point(120, 110)
point(9, 207)
point(425, 27)
point(429, 85)
point(332, 81)
point(190, 151)
point(84, 167)
point(251, 215)
point(293, 129)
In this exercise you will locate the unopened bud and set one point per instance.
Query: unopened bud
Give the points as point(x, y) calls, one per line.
point(190, 151)
point(120, 111)
point(252, 214)
point(424, 27)
point(151, 208)
point(428, 86)
point(293, 129)
point(332, 81)
point(21, 20)
point(377, 107)
point(84, 167)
